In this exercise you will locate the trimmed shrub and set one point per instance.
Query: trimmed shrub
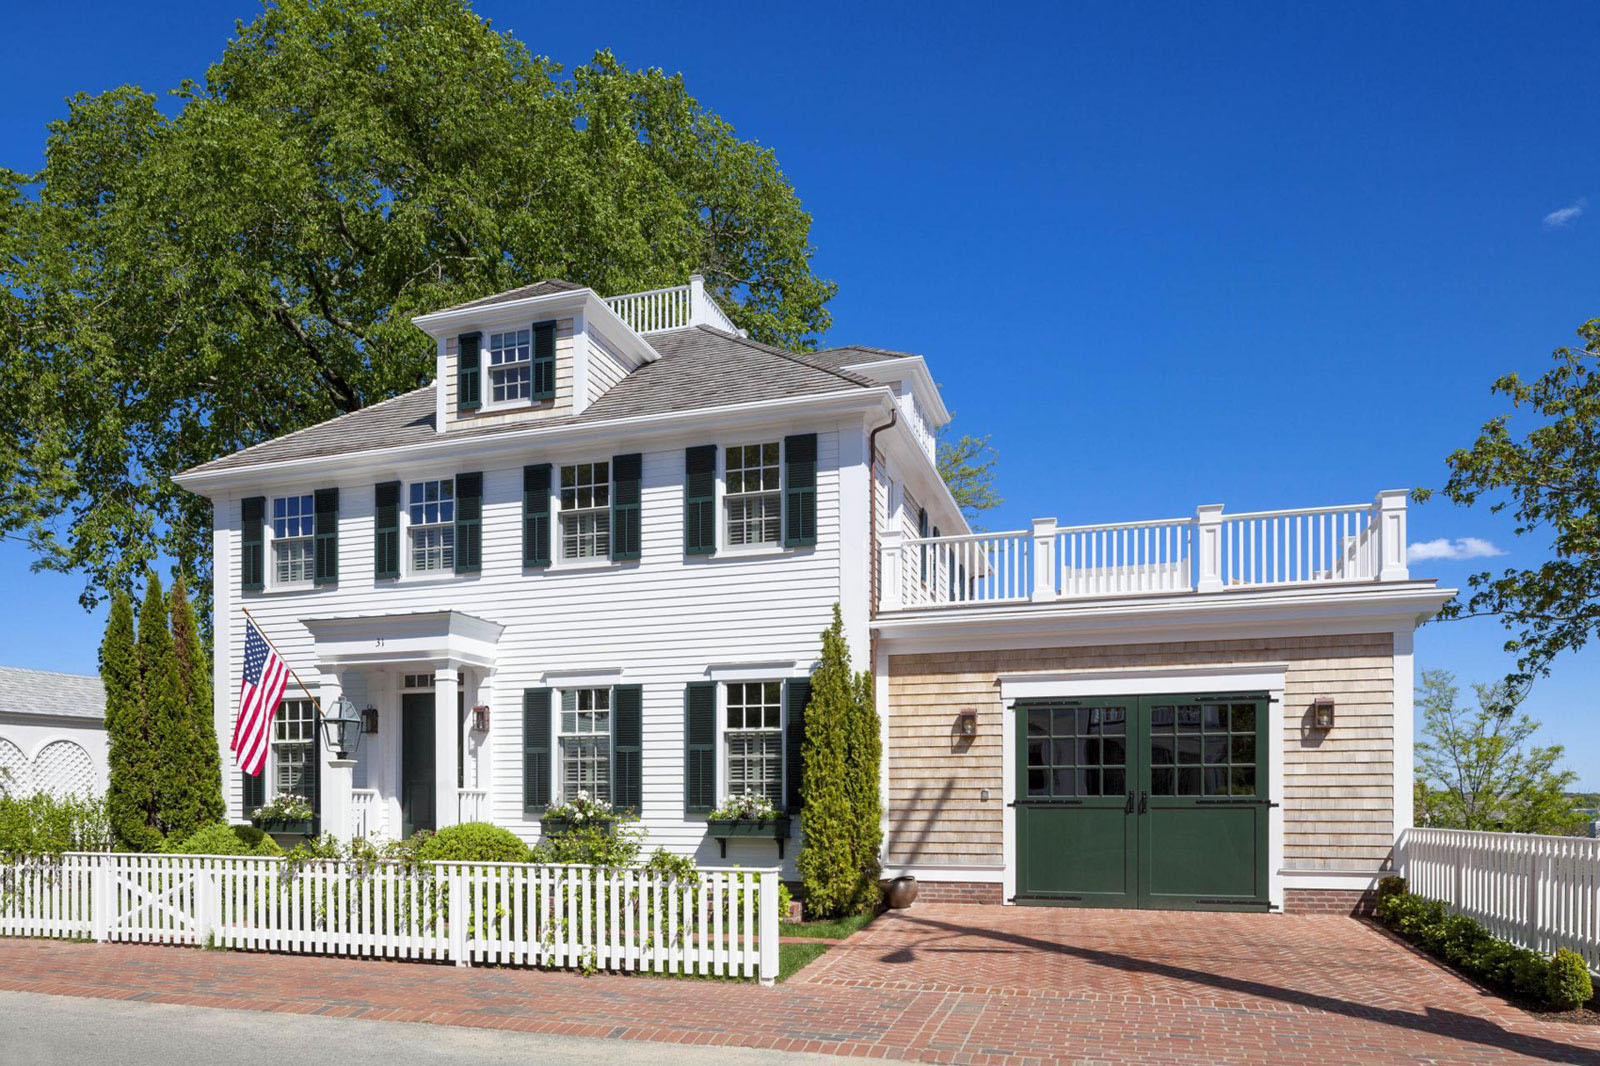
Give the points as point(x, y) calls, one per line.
point(41, 824)
point(1393, 885)
point(473, 842)
point(1568, 984)
point(218, 838)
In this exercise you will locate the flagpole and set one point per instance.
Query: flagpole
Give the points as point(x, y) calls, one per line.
point(281, 657)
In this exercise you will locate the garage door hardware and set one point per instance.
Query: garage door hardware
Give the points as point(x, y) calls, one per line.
point(1046, 803)
point(1234, 803)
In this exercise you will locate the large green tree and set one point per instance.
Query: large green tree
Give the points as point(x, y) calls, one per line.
point(180, 281)
point(1477, 768)
point(1541, 460)
point(967, 465)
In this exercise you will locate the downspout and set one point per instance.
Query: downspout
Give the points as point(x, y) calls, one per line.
point(872, 517)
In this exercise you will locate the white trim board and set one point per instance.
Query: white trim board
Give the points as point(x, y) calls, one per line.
point(1145, 681)
point(985, 875)
point(1337, 880)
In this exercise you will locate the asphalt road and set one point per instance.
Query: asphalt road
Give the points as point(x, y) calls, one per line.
point(62, 1031)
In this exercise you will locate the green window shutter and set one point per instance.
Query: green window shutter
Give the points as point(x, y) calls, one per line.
point(325, 539)
point(626, 471)
point(536, 515)
point(469, 523)
point(627, 725)
point(252, 537)
point(535, 749)
point(544, 361)
point(797, 693)
point(700, 500)
point(800, 490)
point(252, 791)
point(386, 529)
point(469, 372)
point(700, 747)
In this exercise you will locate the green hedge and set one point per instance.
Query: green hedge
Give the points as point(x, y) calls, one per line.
point(220, 839)
point(1561, 980)
point(473, 842)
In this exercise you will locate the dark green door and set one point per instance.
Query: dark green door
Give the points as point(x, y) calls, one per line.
point(1202, 811)
point(1143, 802)
point(1075, 836)
point(417, 809)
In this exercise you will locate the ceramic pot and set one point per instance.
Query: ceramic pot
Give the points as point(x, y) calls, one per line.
point(902, 892)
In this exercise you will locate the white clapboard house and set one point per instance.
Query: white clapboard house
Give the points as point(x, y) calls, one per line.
point(597, 553)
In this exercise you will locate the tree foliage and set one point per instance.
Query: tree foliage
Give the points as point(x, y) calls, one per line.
point(1476, 769)
point(839, 860)
point(1550, 478)
point(967, 465)
point(179, 282)
point(131, 791)
point(194, 685)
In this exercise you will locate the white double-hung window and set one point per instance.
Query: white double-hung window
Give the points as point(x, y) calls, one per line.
point(431, 515)
point(293, 522)
point(586, 743)
point(294, 750)
point(753, 735)
point(586, 511)
point(510, 365)
point(753, 494)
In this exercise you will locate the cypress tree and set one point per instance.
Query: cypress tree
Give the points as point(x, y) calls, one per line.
point(130, 795)
point(828, 861)
point(194, 680)
point(865, 753)
point(171, 736)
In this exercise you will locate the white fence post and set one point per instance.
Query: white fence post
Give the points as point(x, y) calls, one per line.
point(1208, 548)
point(206, 902)
point(456, 916)
point(769, 927)
point(100, 898)
point(1044, 560)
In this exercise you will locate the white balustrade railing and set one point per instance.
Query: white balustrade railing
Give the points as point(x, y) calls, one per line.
point(1210, 552)
point(1539, 892)
point(366, 813)
point(472, 805)
point(676, 307)
point(723, 922)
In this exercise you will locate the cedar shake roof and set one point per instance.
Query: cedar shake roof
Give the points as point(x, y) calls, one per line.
point(43, 692)
point(700, 368)
point(861, 353)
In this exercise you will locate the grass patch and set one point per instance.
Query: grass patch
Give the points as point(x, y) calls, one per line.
point(794, 957)
point(837, 929)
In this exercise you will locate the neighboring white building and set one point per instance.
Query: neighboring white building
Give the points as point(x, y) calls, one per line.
point(618, 527)
point(52, 733)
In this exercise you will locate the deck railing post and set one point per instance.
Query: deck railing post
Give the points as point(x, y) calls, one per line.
point(889, 577)
point(1208, 548)
point(1389, 515)
point(1044, 560)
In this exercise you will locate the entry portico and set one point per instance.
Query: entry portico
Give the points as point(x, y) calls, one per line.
point(405, 663)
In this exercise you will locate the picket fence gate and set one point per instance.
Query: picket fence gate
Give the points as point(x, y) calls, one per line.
point(723, 922)
point(1539, 892)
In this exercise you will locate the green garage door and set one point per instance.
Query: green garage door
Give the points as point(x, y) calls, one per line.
point(1152, 802)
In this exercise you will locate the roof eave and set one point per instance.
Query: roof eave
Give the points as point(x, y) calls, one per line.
point(938, 414)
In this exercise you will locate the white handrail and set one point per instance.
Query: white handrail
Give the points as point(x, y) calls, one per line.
point(672, 307)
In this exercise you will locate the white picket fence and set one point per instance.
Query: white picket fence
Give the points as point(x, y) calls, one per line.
point(1540, 892)
point(723, 923)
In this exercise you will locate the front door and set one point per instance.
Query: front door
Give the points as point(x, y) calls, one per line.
point(417, 810)
point(1151, 802)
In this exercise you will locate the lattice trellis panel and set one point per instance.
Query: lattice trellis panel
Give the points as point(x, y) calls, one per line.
point(16, 775)
point(62, 768)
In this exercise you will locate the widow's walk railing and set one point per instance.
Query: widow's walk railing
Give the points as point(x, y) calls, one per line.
point(1208, 552)
point(676, 307)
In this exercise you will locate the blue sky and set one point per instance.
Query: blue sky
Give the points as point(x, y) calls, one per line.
point(1167, 256)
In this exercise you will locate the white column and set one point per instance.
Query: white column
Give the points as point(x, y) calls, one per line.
point(1390, 515)
point(338, 775)
point(1044, 560)
point(1208, 547)
point(445, 739)
point(699, 314)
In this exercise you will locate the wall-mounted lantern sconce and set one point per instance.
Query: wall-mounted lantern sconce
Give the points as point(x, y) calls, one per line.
point(480, 717)
point(369, 719)
point(967, 723)
point(1322, 713)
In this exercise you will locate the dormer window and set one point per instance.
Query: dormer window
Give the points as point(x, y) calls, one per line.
point(293, 523)
point(586, 511)
point(431, 514)
point(510, 365)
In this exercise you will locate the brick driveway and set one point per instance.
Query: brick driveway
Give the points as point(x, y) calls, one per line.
point(936, 984)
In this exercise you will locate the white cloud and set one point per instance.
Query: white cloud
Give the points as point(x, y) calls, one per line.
point(1565, 216)
point(1445, 548)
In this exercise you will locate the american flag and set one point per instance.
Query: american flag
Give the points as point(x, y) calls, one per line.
point(264, 677)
